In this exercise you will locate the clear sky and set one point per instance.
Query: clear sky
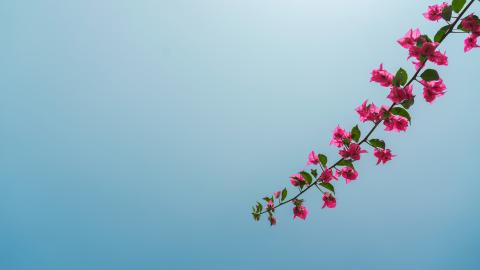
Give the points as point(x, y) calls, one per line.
point(137, 135)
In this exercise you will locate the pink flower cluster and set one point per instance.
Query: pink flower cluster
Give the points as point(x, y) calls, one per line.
point(313, 159)
point(410, 38)
point(434, 13)
point(392, 122)
point(396, 123)
point(328, 200)
point(433, 89)
point(297, 180)
point(397, 95)
point(327, 175)
point(422, 48)
point(381, 76)
point(299, 210)
point(371, 112)
point(353, 151)
point(383, 155)
point(471, 24)
point(348, 173)
point(400, 94)
point(339, 136)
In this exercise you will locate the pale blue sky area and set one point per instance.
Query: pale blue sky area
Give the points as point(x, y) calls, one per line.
point(137, 135)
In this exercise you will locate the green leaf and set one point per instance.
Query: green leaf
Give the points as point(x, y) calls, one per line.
point(346, 141)
point(301, 185)
point(457, 5)
point(323, 159)
point(408, 103)
point(314, 172)
point(284, 194)
point(402, 112)
point(328, 186)
point(377, 143)
point(441, 33)
point(356, 133)
point(447, 13)
point(345, 162)
point(460, 27)
point(430, 75)
point(307, 177)
point(400, 78)
point(259, 207)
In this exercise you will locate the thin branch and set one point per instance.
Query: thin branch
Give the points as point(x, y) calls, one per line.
point(316, 185)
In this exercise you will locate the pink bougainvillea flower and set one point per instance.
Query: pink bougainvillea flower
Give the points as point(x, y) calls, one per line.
point(381, 76)
point(470, 23)
point(273, 220)
point(313, 159)
point(434, 13)
point(417, 64)
point(328, 200)
point(297, 179)
point(396, 123)
point(410, 38)
point(433, 89)
point(277, 194)
point(327, 176)
point(370, 112)
point(428, 50)
point(470, 43)
point(439, 58)
point(300, 211)
point(270, 205)
point(383, 155)
point(401, 123)
point(399, 94)
point(415, 52)
point(476, 32)
point(339, 135)
point(377, 114)
point(363, 111)
point(348, 173)
point(353, 151)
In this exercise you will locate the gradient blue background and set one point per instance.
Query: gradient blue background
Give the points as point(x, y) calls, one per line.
point(137, 134)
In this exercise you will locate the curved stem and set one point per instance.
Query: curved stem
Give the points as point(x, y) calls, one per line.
point(316, 185)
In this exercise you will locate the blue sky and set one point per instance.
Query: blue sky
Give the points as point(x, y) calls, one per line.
point(137, 135)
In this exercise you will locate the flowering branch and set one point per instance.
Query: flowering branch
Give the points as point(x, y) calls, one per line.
point(395, 117)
